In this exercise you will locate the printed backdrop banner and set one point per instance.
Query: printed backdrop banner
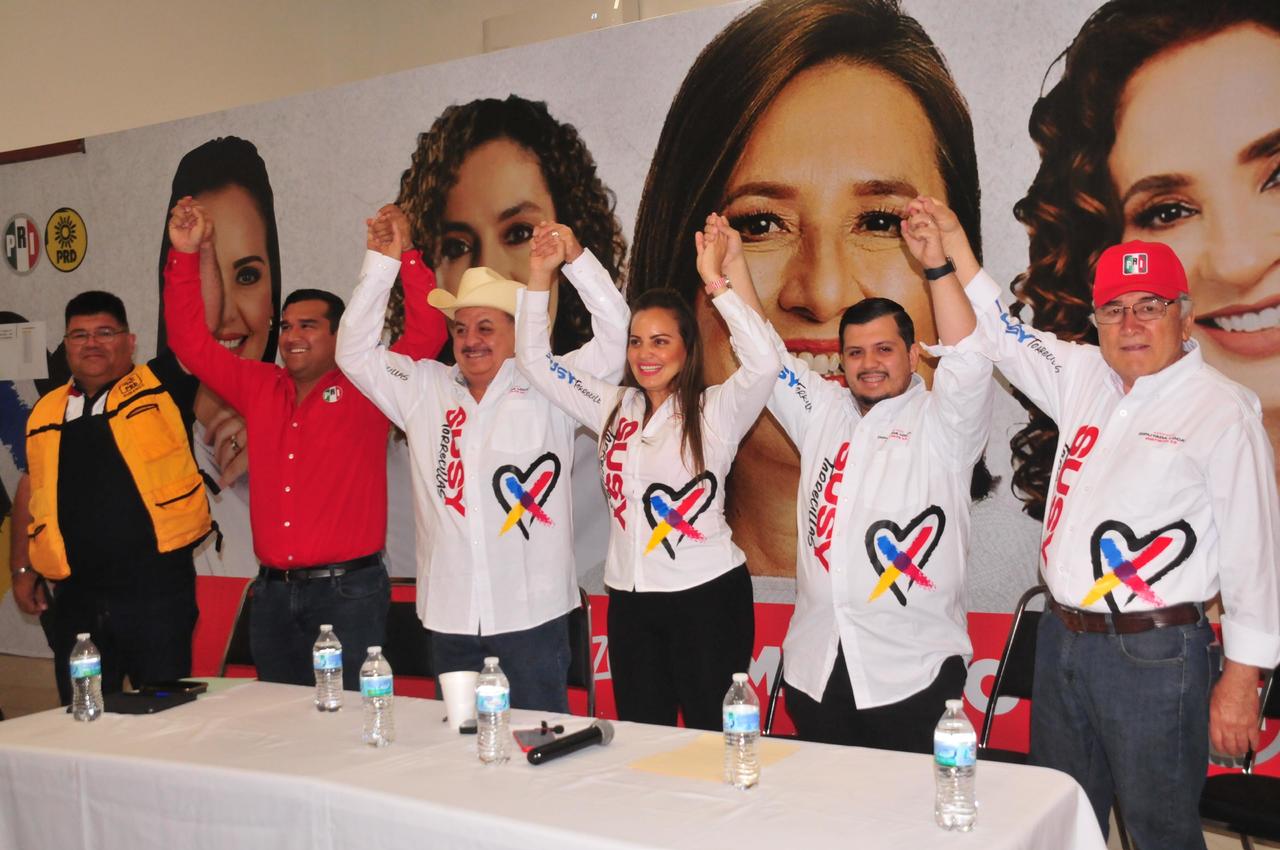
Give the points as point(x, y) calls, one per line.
point(812, 159)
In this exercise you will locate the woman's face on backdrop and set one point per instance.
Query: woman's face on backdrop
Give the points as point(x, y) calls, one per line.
point(1196, 163)
point(818, 195)
point(489, 215)
point(240, 240)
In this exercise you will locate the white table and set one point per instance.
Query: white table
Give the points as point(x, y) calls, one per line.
point(257, 767)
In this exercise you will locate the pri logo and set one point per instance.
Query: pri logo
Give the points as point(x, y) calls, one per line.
point(332, 394)
point(22, 243)
point(525, 491)
point(1120, 557)
point(65, 239)
point(896, 551)
point(671, 510)
point(1135, 264)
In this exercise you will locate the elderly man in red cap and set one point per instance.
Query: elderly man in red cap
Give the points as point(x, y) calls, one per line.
point(1163, 497)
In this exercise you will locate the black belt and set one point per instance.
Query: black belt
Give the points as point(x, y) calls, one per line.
point(323, 571)
point(1131, 623)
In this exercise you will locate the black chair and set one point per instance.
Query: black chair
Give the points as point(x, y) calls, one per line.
point(1014, 673)
point(1246, 803)
point(238, 651)
point(407, 645)
point(775, 693)
point(582, 673)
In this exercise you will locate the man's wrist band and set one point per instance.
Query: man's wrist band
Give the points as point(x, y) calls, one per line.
point(20, 570)
point(939, 272)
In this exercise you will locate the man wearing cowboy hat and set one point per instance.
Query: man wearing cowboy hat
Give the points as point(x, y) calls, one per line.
point(491, 460)
point(318, 450)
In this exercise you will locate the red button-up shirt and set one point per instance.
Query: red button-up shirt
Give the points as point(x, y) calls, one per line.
point(318, 470)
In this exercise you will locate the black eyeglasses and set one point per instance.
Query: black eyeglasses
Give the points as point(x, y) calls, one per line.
point(1146, 310)
point(98, 334)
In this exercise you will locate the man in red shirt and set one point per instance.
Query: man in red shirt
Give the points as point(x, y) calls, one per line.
point(317, 459)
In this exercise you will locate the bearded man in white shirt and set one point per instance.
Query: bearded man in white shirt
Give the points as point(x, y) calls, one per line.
point(1164, 496)
point(879, 639)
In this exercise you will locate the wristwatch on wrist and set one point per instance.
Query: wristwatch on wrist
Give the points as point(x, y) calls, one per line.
point(20, 570)
point(939, 272)
point(725, 285)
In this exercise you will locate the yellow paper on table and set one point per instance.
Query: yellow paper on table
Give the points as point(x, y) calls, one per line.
point(703, 758)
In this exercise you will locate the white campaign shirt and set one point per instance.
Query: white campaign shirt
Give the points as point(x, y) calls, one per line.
point(883, 519)
point(1160, 496)
point(493, 513)
point(667, 526)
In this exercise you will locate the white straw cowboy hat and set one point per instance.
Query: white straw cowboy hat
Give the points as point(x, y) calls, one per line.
point(479, 287)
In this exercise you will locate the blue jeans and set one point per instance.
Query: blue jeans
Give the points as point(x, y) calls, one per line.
point(535, 661)
point(287, 615)
point(1128, 717)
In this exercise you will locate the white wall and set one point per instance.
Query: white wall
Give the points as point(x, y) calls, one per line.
point(80, 68)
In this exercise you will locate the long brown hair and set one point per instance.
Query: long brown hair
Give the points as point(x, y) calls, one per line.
point(581, 199)
point(1071, 210)
point(689, 382)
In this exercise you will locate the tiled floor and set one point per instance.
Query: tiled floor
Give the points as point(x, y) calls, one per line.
point(26, 685)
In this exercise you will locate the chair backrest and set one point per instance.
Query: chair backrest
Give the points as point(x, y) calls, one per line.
point(238, 651)
point(407, 646)
point(775, 690)
point(582, 672)
point(1270, 709)
point(1016, 669)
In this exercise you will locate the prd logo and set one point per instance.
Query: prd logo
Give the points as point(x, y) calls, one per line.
point(65, 239)
point(1135, 264)
point(22, 243)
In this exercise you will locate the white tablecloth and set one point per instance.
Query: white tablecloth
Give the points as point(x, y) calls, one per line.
point(257, 767)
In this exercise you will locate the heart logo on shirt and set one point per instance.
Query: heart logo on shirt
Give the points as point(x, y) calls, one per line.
point(1122, 559)
point(523, 492)
point(669, 510)
point(895, 551)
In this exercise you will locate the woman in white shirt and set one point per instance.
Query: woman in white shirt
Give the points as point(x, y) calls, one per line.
point(681, 620)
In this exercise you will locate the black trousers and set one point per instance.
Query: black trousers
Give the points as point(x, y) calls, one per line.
point(906, 725)
point(678, 651)
point(143, 630)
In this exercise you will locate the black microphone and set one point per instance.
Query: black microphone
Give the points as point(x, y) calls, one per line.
point(599, 732)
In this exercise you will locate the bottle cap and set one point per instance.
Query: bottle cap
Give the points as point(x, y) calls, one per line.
point(739, 678)
point(326, 627)
point(82, 636)
point(375, 650)
point(955, 704)
point(491, 661)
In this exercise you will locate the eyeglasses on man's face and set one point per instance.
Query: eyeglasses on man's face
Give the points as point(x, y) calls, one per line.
point(1146, 310)
point(80, 337)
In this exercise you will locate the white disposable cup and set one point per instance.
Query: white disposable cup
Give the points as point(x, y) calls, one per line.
point(459, 692)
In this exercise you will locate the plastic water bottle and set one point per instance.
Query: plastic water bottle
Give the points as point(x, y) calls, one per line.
point(741, 731)
point(955, 752)
point(326, 657)
point(375, 690)
point(493, 712)
point(86, 679)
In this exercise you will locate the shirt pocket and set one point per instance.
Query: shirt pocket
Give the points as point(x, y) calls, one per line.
point(519, 427)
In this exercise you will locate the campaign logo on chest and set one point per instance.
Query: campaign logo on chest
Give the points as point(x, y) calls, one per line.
point(669, 510)
point(523, 492)
point(896, 551)
point(1123, 560)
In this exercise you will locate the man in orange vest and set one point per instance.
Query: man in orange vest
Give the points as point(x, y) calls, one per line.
point(116, 503)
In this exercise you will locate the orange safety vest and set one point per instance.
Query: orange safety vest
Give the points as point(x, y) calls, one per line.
point(152, 439)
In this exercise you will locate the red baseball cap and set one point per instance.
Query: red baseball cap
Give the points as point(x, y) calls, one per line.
point(1138, 267)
